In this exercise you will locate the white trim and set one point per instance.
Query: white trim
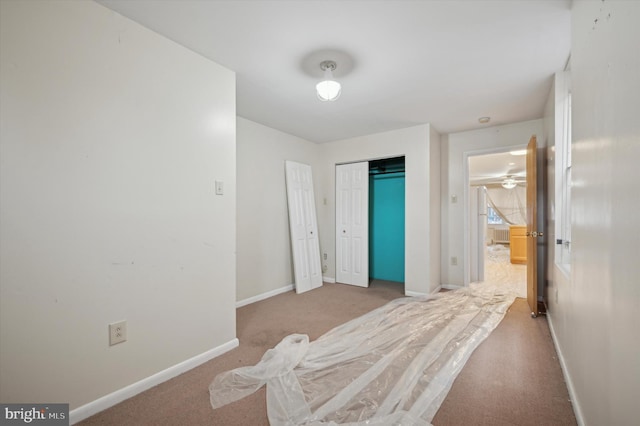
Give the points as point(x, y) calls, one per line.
point(567, 378)
point(329, 280)
point(451, 286)
point(432, 292)
point(263, 296)
point(85, 411)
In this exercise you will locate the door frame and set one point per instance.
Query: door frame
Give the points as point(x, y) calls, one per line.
point(466, 230)
point(477, 194)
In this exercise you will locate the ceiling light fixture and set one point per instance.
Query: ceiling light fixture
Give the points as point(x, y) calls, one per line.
point(328, 89)
point(484, 120)
point(509, 183)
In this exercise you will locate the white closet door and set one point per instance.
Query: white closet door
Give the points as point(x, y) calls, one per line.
point(352, 224)
point(303, 227)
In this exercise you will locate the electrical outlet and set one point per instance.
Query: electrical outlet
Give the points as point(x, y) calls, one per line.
point(117, 332)
point(454, 260)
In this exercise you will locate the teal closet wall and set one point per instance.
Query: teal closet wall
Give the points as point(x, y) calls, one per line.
point(386, 226)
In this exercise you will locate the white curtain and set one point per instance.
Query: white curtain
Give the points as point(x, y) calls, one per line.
point(509, 204)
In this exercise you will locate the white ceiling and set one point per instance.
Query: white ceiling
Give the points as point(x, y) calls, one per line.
point(494, 168)
point(401, 63)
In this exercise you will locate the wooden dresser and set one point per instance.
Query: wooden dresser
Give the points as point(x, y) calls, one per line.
point(518, 243)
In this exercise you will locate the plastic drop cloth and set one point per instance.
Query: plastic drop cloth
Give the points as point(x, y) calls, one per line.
point(391, 366)
point(500, 271)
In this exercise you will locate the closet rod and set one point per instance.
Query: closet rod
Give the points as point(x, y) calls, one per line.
point(371, 173)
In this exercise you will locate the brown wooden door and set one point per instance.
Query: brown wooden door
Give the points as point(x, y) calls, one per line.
point(532, 229)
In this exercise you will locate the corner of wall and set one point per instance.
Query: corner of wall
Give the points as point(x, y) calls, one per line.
point(435, 208)
point(444, 208)
point(264, 265)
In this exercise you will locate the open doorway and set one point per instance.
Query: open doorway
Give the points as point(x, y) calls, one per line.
point(497, 222)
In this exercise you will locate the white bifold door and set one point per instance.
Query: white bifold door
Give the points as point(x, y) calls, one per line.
point(303, 227)
point(352, 224)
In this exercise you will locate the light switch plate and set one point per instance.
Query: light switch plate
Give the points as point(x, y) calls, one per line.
point(219, 187)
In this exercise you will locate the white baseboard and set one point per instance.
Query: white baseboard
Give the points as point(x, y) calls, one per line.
point(567, 378)
point(275, 292)
point(263, 296)
point(432, 292)
point(451, 286)
point(120, 395)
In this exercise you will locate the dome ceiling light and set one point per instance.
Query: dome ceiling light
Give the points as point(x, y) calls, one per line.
point(328, 89)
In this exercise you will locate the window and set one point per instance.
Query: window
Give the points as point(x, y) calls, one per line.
point(493, 218)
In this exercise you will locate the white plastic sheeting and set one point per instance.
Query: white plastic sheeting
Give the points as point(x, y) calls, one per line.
point(392, 366)
point(500, 271)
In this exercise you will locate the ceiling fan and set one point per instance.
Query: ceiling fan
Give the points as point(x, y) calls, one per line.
point(508, 181)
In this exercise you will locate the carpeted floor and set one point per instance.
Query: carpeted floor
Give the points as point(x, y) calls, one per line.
point(513, 378)
point(184, 400)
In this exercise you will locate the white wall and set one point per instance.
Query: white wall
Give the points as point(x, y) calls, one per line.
point(595, 316)
point(111, 138)
point(420, 146)
point(263, 242)
point(435, 219)
point(456, 149)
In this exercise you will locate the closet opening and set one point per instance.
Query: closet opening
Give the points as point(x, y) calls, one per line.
point(387, 220)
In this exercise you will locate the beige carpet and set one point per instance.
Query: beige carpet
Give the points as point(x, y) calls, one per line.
point(513, 378)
